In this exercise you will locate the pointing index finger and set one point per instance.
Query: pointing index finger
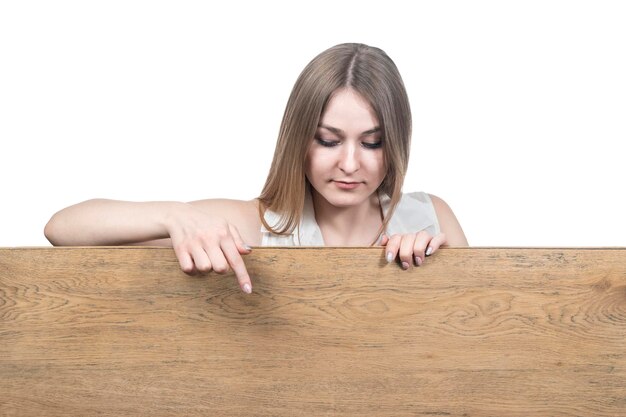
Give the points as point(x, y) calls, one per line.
point(236, 263)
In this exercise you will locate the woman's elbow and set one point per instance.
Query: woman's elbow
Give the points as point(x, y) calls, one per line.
point(51, 231)
point(59, 230)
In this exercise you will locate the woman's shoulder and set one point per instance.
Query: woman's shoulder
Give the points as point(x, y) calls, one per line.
point(448, 222)
point(419, 196)
point(441, 207)
point(437, 202)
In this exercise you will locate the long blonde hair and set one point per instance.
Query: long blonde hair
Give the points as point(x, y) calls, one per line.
point(371, 73)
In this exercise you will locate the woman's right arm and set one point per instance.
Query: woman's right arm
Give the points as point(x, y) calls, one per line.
point(203, 234)
point(109, 223)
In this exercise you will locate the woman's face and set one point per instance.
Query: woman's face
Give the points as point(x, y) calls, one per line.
point(345, 163)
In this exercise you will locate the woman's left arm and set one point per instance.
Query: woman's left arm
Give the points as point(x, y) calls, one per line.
point(448, 223)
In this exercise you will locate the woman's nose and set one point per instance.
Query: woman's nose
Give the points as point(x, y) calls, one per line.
point(349, 159)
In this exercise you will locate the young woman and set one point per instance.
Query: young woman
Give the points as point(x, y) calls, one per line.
point(335, 180)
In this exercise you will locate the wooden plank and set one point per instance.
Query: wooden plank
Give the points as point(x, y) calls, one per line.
point(327, 331)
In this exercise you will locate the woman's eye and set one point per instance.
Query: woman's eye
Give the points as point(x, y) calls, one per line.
point(370, 145)
point(326, 143)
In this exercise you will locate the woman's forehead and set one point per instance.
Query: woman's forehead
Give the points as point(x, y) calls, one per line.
point(348, 110)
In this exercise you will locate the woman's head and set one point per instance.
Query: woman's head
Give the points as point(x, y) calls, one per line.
point(345, 163)
point(370, 73)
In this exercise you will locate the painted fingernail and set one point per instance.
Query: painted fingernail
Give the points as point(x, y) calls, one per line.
point(429, 251)
point(247, 288)
point(418, 261)
point(389, 256)
point(247, 247)
point(405, 265)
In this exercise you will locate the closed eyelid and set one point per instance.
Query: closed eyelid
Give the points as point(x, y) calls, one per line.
point(373, 145)
point(334, 143)
point(326, 143)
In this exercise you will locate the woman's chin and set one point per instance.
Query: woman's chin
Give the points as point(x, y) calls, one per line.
point(345, 199)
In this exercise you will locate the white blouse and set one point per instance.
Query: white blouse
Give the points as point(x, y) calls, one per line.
point(414, 212)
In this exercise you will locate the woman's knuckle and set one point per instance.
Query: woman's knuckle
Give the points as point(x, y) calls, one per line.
point(180, 248)
point(423, 233)
point(222, 233)
point(419, 250)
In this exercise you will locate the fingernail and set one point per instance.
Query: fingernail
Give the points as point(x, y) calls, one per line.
point(405, 265)
point(429, 250)
point(418, 261)
point(389, 256)
point(247, 288)
point(247, 247)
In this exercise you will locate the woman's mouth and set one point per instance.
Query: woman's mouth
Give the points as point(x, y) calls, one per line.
point(346, 185)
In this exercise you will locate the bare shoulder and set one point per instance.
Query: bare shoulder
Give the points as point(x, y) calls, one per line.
point(243, 214)
point(448, 223)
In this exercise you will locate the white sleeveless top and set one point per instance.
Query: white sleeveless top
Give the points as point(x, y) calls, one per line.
point(414, 212)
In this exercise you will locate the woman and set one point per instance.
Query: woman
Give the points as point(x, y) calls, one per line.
point(336, 180)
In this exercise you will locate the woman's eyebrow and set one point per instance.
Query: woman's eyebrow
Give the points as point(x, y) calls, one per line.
point(341, 132)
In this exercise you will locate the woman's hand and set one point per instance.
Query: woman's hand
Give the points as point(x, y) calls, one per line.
point(202, 238)
point(203, 243)
point(412, 248)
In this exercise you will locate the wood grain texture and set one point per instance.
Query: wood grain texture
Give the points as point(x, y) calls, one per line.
point(327, 331)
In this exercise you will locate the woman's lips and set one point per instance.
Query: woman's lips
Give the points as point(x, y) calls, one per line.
point(346, 185)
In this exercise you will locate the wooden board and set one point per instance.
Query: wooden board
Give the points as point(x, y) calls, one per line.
point(327, 331)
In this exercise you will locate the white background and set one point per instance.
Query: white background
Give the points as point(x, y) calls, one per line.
point(519, 106)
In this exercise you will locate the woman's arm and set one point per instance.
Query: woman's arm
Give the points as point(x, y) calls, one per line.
point(204, 234)
point(109, 223)
point(448, 223)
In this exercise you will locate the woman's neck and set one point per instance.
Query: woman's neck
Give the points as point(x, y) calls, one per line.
point(348, 226)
